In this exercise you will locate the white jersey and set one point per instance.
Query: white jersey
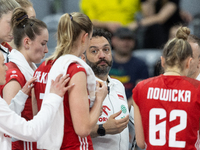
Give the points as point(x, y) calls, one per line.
point(12, 125)
point(113, 103)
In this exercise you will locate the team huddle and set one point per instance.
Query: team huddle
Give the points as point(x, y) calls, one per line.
point(71, 102)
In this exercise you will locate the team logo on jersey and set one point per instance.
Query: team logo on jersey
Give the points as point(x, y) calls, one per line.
point(121, 97)
point(105, 108)
point(13, 75)
point(123, 108)
point(79, 66)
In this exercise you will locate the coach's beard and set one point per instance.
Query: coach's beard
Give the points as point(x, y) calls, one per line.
point(100, 70)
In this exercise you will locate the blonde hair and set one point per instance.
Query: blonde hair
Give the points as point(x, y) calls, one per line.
point(69, 29)
point(7, 5)
point(24, 3)
point(178, 49)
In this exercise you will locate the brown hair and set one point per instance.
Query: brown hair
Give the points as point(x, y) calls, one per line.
point(194, 39)
point(24, 26)
point(69, 29)
point(178, 49)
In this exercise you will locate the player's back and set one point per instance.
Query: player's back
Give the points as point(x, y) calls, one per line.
point(170, 110)
point(40, 84)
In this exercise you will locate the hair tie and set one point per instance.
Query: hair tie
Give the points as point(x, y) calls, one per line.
point(31, 24)
point(25, 16)
point(71, 17)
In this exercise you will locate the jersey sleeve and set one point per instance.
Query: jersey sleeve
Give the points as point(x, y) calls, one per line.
point(17, 127)
point(75, 68)
point(18, 102)
point(15, 74)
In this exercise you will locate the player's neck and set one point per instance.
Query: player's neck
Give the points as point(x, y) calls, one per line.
point(172, 72)
point(194, 75)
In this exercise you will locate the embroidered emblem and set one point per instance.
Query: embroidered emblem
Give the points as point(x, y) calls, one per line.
point(123, 108)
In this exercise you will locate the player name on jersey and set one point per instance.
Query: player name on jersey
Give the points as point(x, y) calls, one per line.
point(173, 95)
point(41, 77)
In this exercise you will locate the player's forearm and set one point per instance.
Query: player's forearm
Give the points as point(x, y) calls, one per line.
point(93, 133)
point(95, 112)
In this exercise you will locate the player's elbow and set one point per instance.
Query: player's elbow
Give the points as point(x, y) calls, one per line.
point(83, 132)
point(140, 144)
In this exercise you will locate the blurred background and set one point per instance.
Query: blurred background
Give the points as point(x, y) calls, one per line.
point(50, 11)
point(48, 7)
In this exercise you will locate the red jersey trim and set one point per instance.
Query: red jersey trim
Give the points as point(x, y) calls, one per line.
point(7, 46)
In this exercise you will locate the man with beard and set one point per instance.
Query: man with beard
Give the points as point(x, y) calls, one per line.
point(127, 68)
point(111, 131)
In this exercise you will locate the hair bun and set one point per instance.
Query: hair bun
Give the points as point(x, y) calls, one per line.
point(183, 33)
point(19, 17)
